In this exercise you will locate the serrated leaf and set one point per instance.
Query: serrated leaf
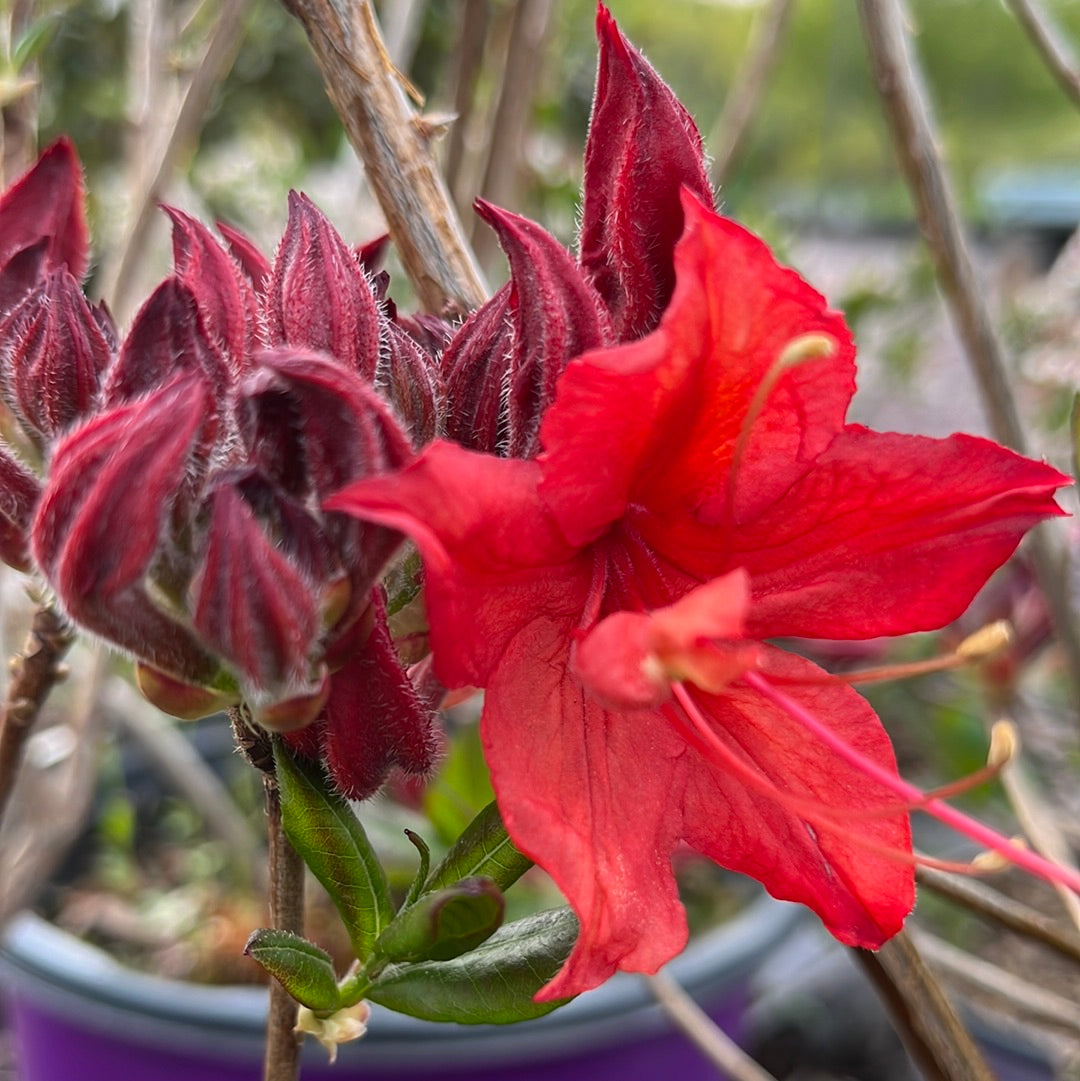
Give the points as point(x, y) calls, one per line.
point(301, 967)
point(483, 849)
point(444, 924)
point(493, 984)
point(322, 828)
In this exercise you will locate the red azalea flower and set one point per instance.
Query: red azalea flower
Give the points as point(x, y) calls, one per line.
point(699, 492)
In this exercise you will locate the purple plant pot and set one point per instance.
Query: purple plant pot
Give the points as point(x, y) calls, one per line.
point(75, 1012)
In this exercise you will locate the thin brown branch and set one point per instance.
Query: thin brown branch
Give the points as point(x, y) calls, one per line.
point(34, 673)
point(282, 1061)
point(904, 98)
point(213, 67)
point(528, 33)
point(390, 139)
point(729, 135)
point(1017, 998)
point(729, 1059)
point(467, 64)
point(922, 1015)
point(1051, 43)
point(989, 903)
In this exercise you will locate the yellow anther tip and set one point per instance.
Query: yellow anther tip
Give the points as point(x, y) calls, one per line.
point(986, 641)
point(1004, 744)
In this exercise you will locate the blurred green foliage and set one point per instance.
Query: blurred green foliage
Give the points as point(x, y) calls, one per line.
point(819, 146)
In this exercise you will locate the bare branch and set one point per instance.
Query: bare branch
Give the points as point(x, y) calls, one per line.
point(1051, 43)
point(706, 1036)
point(389, 137)
point(215, 63)
point(903, 95)
point(34, 673)
point(729, 134)
point(922, 1015)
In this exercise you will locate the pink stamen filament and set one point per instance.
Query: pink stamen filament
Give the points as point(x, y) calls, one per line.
point(962, 823)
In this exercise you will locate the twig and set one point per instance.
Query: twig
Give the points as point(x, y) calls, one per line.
point(902, 93)
point(282, 1062)
point(729, 133)
point(1051, 44)
point(922, 1015)
point(215, 63)
point(984, 901)
point(730, 1059)
point(34, 673)
point(468, 60)
point(1017, 997)
point(390, 139)
point(528, 32)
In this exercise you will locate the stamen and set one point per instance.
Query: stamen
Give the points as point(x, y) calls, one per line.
point(700, 734)
point(981, 645)
point(959, 821)
point(797, 351)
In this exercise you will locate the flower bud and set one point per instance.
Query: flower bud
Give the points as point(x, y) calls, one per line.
point(55, 356)
point(185, 701)
point(444, 924)
point(19, 492)
point(642, 149)
point(555, 314)
point(319, 296)
point(224, 295)
point(410, 380)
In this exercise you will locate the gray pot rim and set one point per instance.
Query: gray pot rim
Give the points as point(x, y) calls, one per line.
point(58, 972)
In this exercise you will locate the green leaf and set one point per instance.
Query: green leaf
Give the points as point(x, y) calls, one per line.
point(301, 967)
point(417, 886)
point(483, 849)
point(493, 984)
point(33, 41)
point(444, 924)
point(321, 826)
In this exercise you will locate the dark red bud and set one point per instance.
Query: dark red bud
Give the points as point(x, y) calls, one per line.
point(372, 255)
point(411, 380)
point(642, 149)
point(168, 336)
point(319, 296)
point(252, 261)
point(475, 367)
point(224, 295)
point(48, 202)
point(19, 491)
point(375, 720)
point(556, 315)
point(251, 604)
point(103, 517)
point(55, 357)
point(22, 272)
point(313, 425)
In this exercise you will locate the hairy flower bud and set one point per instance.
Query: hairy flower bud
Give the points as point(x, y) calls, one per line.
point(223, 293)
point(168, 336)
point(410, 379)
point(555, 314)
point(104, 514)
point(54, 356)
point(319, 296)
point(19, 491)
point(643, 148)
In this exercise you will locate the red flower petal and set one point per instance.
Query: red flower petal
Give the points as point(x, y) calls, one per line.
point(861, 895)
point(667, 414)
point(888, 534)
point(480, 516)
